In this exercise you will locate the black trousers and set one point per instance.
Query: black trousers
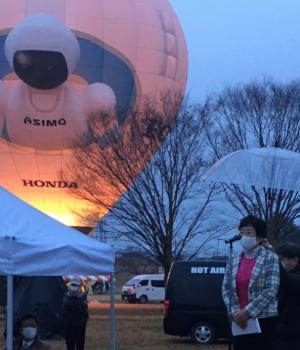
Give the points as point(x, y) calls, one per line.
point(75, 337)
point(288, 344)
point(260, 341)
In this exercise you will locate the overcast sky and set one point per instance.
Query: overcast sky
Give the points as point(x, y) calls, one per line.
point(232, 41)
point(236, 41)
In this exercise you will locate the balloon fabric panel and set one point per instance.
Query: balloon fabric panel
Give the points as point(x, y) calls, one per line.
point(129, 51)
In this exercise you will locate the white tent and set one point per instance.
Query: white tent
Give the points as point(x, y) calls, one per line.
point(261, 167)
point(33, 244)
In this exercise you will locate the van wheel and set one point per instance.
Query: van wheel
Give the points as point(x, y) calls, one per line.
point(143, 299)
point(203, 333)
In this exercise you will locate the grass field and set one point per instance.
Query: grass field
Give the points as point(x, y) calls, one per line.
point(137, 327)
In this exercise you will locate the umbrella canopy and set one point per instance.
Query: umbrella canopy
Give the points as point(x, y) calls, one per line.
point(261, 167)
point(89, 278)
point(33, 244)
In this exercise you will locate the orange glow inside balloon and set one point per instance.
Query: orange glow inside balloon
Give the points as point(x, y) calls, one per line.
point(62, 61)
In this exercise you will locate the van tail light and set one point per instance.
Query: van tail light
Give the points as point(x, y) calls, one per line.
point(166, 307)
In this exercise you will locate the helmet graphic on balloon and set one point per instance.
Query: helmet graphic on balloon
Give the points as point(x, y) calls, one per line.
point(43, 110)
point(63, 61)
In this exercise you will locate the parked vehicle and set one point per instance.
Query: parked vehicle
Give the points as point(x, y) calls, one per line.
point(144, 288)
point(193, 304)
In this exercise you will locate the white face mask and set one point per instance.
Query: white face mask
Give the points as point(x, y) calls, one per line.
point(248, 243)
point(289, 264)
point(284, 264)
point(74, 288)
point(29, 332)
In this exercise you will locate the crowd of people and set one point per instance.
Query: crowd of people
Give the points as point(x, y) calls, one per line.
point(264, 285)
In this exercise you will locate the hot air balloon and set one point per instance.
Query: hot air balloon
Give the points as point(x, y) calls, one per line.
point(63, 60)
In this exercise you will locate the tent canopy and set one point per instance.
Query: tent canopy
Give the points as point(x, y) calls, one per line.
point(261, 167)
point(33, 244)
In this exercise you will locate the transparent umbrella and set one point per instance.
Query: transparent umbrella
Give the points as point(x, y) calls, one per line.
point(260, 167)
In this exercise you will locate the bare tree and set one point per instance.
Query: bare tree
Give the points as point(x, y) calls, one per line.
point(154, 166)
point(135, 262)
point(257, 115)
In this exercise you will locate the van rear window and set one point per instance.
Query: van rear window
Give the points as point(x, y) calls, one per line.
point(158, 283)
point(198, 291)
point(199, 286)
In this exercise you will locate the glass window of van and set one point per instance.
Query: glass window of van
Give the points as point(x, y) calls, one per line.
point(202, 290)
point(143, 283)
point(158, 283)
point(132, 282)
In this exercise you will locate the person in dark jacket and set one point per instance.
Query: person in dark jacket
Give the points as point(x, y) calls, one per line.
point(75, 316)
point(27, 335)
point(289, 298)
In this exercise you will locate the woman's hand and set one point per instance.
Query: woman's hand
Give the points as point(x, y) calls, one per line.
point(241, 318)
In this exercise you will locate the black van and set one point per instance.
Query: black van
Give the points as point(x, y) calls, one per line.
point(193, 302)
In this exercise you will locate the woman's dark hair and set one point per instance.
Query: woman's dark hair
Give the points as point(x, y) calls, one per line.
point(258, 224)
point(289, 250)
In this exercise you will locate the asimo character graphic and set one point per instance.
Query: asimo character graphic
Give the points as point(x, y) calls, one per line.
point(63, 61)
point(43, 110)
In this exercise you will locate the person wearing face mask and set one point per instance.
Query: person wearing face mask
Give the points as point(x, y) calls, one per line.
point(255, 282)
point(27, 335)
point(288, 331)
point(75, 316)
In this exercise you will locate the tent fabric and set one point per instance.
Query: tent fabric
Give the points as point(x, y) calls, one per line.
point(3, 290)
point(43, 297)
point(33, 244)
point(261, 167)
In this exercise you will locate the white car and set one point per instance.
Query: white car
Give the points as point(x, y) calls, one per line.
point(144, 288)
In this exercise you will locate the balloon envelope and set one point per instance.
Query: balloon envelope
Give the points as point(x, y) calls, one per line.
point(104, 54)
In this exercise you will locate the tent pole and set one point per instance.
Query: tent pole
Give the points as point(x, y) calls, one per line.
point(9, 317)
point(112, 311)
